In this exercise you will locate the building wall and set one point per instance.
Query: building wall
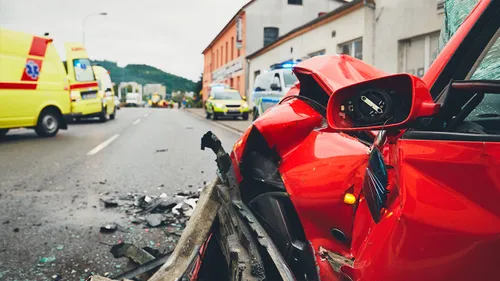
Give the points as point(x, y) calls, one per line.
point(346, 28)
point(215, 59)
point(397, 20)
point(278, 13)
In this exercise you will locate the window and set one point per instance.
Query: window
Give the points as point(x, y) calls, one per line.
point(239, 54)
point(317, 53)
point(83, 70)
point(255, 74)
point(238, 82)
point(232, 48)
point(294, 2)
point(270, 35)
point(227, 95)
point(353, 48)
point(276, 80)
point(227, 51)
point(221, 55)
point(416, 54)
point(217, 60)
point(489, 69)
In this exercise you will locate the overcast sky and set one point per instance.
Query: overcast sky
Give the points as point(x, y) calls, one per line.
point(167, 34)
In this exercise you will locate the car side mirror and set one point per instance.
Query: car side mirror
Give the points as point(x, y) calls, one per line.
point(393, 101)
point(275, 87)
point(244, 98)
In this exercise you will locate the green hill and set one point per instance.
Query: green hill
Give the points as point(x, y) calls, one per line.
point(145, 74)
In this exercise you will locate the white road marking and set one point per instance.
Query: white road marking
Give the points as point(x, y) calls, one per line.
point(146, 115)
point(136, 122)
point(102, 145)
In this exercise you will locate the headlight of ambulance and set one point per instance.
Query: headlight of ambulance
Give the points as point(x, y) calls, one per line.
point(75, 95)
point(244, 105)
point(220, 105)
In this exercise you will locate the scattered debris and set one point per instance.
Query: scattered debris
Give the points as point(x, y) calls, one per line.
point(109, 228)
point(16, 229)
point(161, 150)
point(6, 222)
point(109, 203)
point(60, 247)
point(154, 220)
point(56, 277)
point(132, 252)
point(47, 259)
point(103, 182)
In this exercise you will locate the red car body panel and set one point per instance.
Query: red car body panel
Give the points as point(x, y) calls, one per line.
point(442, 213)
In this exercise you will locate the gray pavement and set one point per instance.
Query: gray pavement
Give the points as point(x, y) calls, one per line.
point(238, 125)
point(50, 189)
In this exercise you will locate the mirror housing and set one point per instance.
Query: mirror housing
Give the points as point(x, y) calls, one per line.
point(244, 98)
point(275, 87)
point(392, 101)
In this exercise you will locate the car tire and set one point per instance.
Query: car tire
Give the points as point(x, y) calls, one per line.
point(255, 114)
point(48, 123)
point(3, 132)
point(103, 116)
point(214, 115)
point(112, 116)
point(245, 116)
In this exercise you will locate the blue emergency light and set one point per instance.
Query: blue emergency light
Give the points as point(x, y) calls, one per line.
point(285, 65)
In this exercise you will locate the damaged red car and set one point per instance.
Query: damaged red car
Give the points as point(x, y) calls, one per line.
point(362, 175)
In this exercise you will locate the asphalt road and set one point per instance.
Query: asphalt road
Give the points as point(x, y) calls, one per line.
point(50, 189)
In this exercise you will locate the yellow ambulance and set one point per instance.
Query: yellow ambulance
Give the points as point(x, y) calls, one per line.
point(86, 101)
point(34, 90)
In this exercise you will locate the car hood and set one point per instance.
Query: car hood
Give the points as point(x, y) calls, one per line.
point(336, 71)
point(230, 102)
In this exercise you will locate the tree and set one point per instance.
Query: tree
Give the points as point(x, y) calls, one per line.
point(129, 89)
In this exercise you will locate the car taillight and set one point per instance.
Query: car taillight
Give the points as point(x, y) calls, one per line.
point(375, 184)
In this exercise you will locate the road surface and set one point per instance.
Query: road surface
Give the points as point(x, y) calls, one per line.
point(50, 189)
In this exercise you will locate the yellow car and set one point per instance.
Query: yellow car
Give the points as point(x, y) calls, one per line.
point(226, 103)
point(34, 90)
point(86, 101)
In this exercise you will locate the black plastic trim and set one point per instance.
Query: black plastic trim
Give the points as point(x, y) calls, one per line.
point(449, 136)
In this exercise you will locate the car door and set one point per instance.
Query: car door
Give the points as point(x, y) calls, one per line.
point(449, 178)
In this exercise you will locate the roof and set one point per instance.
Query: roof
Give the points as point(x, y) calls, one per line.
point(234, 17)
point(326, 18)
point(227, 25)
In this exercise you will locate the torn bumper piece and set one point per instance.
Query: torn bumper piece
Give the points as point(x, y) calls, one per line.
point(238, 231)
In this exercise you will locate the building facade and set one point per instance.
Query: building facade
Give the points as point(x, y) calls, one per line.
point(255, 25)
point(392, 35)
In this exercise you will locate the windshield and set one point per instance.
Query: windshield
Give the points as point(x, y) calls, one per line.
point(83, 70)
point(227, 96)
point(290, 78)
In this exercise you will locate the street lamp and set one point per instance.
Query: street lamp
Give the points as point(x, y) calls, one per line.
point(85, 20)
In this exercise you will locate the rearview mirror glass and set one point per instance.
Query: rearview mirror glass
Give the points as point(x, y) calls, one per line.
point(381, 103)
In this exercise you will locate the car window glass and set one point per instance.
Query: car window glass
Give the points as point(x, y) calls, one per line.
point(83, 70)
point(227, 96)
point(276, 80)
point(488, 69)
point(263, 82)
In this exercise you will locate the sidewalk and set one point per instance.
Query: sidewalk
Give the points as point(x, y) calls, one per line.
point(238, 125)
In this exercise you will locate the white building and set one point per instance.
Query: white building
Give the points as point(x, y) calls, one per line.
point(393, 35)
point(136, 88)
point(150, 89)
point(271, 19)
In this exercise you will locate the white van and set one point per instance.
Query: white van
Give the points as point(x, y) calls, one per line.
point(269, 88)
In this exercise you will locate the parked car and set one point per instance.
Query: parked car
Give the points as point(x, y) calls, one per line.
point(106, 92)
point(270, 87)
point(32, 96)
point(133, 100)
point(362, 175)
point(226, 103)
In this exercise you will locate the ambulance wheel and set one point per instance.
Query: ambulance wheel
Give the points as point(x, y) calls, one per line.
point(3, 132)
point(245, 116)
point(48, 123)
point(103, 116)
point(214, 115)
point(112, 116)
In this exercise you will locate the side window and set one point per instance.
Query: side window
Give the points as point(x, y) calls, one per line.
point(488, 69)
point(270, 35)
point(276, 80)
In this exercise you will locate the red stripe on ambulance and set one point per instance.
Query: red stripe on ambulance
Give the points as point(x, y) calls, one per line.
point(17, 86)
point(84, 85)
point(39, 46)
